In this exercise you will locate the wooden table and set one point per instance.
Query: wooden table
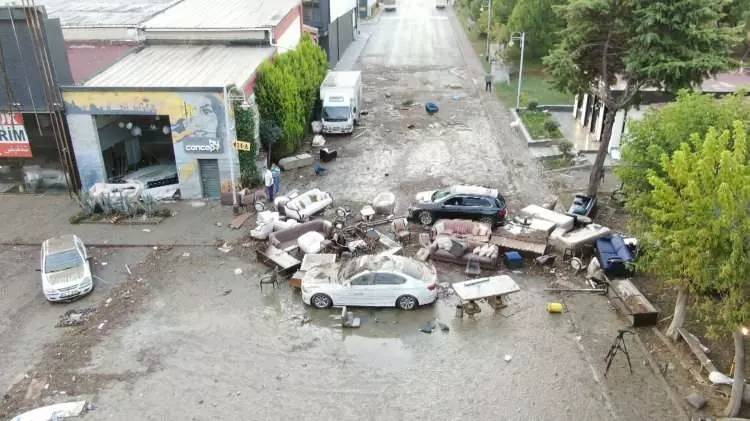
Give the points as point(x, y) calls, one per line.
point(274, 257)
point(492, 288)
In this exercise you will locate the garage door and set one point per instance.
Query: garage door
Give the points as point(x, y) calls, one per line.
point(210, 178)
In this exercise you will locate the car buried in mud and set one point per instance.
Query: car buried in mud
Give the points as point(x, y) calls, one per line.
point(371, 281)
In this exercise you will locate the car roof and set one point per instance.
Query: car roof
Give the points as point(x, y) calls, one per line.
point(476, 190)
point(61, 243)
point(381, 264)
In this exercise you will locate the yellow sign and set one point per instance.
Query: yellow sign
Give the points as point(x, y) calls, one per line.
point(242, 146)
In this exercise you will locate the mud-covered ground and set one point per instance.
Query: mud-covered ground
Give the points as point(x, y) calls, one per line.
point(178, 335)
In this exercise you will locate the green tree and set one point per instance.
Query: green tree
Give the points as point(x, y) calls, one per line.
point(539, 21)
point(697, 233)
point(665, 44)
point(244, 121)
point(286, 92)
point(663, 130)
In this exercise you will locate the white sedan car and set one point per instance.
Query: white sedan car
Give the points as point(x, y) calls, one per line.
point(372, 281)
point(66, 273)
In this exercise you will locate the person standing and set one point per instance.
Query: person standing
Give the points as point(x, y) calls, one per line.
point(268, 181)
point(488, 82)
point(276, 171)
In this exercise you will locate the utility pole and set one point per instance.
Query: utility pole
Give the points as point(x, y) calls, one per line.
point(489, 25)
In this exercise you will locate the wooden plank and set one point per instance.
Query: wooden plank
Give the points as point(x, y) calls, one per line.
point(238, 221)
point(695, 347)
point(641, 311)
point(668, 343)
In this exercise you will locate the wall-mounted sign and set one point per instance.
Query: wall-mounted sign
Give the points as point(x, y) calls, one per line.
point(202, 145)
point(14, 141)
point(243, 146)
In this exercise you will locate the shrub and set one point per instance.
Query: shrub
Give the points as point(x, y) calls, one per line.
point(533, 105)
point(551, 126)
point(565, 146)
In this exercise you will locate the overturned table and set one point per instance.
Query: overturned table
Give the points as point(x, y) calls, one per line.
point(492, 288)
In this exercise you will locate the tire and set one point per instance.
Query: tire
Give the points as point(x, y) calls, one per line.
point(488, 220)
point(426, 218)
point(407, 302)
point(321, 301)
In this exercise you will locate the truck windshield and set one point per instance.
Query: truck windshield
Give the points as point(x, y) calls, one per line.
point(335, 113)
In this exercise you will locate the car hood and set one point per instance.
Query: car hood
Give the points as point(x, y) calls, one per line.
point(66, 276)
point(425, 196)
point(322, 275)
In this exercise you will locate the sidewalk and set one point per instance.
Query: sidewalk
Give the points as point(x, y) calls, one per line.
point(30, 219)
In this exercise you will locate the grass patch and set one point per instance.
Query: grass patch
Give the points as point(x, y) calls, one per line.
point(535, 86)
point(535, 124)
point(564, 161)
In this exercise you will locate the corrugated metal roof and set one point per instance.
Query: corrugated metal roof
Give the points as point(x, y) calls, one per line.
point(177, 66)
point(103, 12)
point(222, 14)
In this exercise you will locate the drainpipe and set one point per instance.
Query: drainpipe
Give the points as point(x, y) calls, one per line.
point(230, 146)
point(270, 37)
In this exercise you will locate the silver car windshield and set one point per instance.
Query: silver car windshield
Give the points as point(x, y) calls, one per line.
point(63, 260)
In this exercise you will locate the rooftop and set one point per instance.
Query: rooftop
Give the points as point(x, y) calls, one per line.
point(77, 13)
point(189, 66)
point(221, 14)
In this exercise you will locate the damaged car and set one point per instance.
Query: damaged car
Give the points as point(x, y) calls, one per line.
point(459, 202)
point(371, 281)
point(66, 273)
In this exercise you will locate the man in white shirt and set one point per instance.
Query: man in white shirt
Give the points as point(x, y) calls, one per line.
point(268, 181)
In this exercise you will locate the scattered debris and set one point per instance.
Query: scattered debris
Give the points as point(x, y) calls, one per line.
point(318, 141)
point(198, 204)
point(104, 263)
point(101, 325)
point(444, 327)
point(554, 307)
point(431, 108)
point(428, 327)
point(348, 319)
point(218, 224)
point(387, 94)
point(239, 221)
point(127, 268)
point(227, 292)
point(696, 400)
point(407, 103)
point(75, 317)
point(411, 126)
point(54, 412)
point(238, 271)
point(146, 230)
point(107, 301)
point(225, 248)
point(546, 259)
point(717, 377)
point(508, 357)
point(185, 254)
point(305, 319)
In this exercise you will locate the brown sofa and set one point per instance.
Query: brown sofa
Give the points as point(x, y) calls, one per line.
point(287, 239)
point(485, 262)
point(462, 229)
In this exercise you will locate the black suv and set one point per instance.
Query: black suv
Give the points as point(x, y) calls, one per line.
point(463, 202)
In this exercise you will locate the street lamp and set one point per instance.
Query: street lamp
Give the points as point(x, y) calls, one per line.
point(518, 36)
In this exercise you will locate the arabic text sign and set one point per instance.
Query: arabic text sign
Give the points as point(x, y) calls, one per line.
point(14, 141)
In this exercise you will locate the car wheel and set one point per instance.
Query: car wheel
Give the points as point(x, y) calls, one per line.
point(425, 218)
point(406, 302)
point(488, 220)
point(321, 301)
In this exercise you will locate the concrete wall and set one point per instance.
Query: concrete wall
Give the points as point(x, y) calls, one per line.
point(197, 121)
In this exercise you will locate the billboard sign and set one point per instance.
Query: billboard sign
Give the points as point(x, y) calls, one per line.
point(14, 141)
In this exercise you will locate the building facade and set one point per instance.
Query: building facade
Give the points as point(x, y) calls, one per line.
point(155, 87)
point(336, 21)
point(34, 145)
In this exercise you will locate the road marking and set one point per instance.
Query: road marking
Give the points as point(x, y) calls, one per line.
point(416, 18)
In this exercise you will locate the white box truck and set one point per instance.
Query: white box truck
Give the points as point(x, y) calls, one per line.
point(389, 5)
point(341, 94)
point(441, 4)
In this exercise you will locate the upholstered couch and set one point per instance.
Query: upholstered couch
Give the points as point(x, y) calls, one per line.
point(466, 253)
point(287, 239)
point(307, 204)
point(614, 255)
point(463, 229)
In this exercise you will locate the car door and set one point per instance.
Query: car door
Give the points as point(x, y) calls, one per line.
point(358, 291)
point(474, 207)
point(452, 207)
point(388, 286)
